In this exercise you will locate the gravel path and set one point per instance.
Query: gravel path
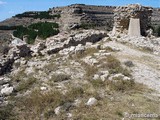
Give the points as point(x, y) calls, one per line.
point(147, 66)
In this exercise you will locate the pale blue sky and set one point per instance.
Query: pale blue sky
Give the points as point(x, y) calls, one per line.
point(9, 8)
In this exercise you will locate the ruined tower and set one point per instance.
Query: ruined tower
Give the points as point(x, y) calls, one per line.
point(132, 19)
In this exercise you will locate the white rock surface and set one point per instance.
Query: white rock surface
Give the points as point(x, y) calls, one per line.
point(91, 101)
point(96, 77)
point(90, 60)
point(57, 110)
point(7, 90)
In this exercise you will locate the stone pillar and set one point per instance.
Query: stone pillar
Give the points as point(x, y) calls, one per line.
point(134, 27)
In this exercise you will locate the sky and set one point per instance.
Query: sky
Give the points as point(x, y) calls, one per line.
point(9, 8)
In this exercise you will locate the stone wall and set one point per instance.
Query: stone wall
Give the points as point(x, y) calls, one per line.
point(123, 14)
point(155, 17)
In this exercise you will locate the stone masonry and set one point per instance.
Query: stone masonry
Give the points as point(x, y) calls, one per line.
point(123, 14)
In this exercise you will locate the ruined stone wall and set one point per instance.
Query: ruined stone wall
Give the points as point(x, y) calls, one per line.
point(156, 17)
point(123, 14)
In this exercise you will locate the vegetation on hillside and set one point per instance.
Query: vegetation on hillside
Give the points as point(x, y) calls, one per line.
point(158, 31)
point(42, 30)
point(5, 27)
point(88, 26)
point(40, 15)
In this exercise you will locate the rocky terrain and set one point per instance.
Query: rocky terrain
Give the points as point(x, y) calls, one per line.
point(75, 16)
point(80, 75)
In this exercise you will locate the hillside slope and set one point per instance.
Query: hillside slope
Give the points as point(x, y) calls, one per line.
point(79, 75)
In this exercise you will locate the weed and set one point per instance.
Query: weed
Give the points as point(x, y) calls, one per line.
point(25, 84)
point(129, 63)
point(60, 77)
point(121, 85)
point(6, 112)
point(88, 51)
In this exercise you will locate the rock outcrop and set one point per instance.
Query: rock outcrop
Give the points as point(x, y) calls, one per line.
point(57, 43)
point(18, 49)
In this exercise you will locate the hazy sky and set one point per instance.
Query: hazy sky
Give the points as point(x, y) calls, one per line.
point(9, 8)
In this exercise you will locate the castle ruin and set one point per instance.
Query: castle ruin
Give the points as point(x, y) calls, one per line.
point(132, 19)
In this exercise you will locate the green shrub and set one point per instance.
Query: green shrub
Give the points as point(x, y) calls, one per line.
point(41, 29)
point(40, 15)
point(5, 27)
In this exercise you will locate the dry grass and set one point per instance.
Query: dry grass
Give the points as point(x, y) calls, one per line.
point(25, 84)
point(114, 66)
point(6, 112)
point(88, 51)
point(114, 97)
point(60, 77)
point(116, 107)
point(90, 70)
point(33, 106)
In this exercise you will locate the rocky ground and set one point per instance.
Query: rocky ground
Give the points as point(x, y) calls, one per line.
point(85, 74)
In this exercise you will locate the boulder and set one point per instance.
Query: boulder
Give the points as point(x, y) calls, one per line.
point(79, 49)
point(57, 110)
point(7, 90)
point(91, 101)
point(4, 80)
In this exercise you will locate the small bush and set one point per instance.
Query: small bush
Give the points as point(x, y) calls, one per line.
point(115, 67)
point(90, 70)
point(98, 83)
point(129, 63)
point(121, 85)
point(75, 92)
point(25, 84)
point(60, 77)
point(6, 112)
